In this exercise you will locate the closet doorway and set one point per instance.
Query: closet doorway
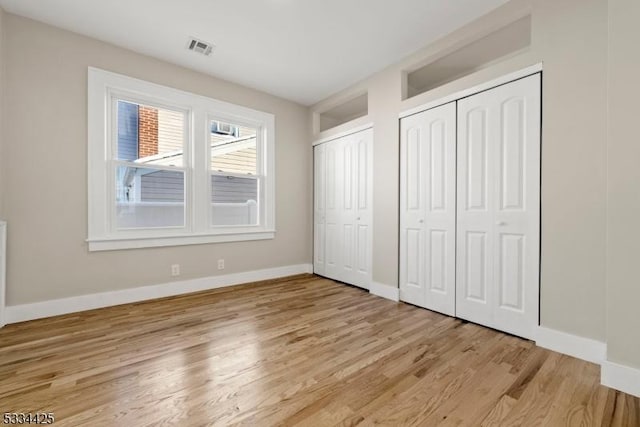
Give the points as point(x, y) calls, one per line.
point(343, 217)
point(470, 207)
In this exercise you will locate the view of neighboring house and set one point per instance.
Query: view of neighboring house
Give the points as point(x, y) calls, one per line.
point(154, 139)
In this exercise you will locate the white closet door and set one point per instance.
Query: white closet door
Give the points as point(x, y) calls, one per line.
point(333, 210)
point(343, 171)
point(428, 209)
point(319, 213)
point(362, 143)
point(355, 205)
point(499, 207)
point(347, 206)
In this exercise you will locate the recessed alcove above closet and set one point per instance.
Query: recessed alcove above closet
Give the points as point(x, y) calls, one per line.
point(473, 56)
point(344, 112)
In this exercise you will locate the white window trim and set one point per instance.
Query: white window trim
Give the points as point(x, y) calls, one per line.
point(102, 85)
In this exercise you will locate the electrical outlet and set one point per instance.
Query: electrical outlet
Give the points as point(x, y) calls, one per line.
point(220, 264)
point(175, 270)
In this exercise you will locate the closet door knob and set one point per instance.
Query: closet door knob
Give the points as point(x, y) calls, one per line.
point(421, 221)
point(501, 223)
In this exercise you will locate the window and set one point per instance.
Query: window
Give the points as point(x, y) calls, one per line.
point(168, 167)
point(149, 167)
point(235, 182)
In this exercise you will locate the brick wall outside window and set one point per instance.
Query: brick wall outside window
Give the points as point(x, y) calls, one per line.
point(147, 131)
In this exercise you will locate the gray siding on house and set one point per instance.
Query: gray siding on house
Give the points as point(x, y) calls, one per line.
point(168, 186)
point(233, 189)
point(162, 186)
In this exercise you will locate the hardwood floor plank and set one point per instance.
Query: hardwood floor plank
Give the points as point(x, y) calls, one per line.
point(301, 351)
point(499, 412)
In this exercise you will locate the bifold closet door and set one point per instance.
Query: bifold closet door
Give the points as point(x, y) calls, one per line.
point(356, 217)
point(498, 227)
point(343, 176)
point(428, 209)
point(319, 212)
point(333, 209)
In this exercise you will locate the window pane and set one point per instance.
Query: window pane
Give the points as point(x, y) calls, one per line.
point(233, 148)
point(148, 197)
point(150, 135)
point(234, 200)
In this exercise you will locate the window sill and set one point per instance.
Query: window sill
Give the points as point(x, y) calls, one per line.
point(111, 244)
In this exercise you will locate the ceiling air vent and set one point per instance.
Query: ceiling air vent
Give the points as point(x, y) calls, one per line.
point(200, 46)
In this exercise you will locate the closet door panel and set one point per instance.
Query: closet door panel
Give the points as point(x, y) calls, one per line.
point(362, 144)
point(475, 220)
point(319, 196)
point(347, 209)
point(475, 159)
point(333, 208)
point(412, 209)
point(476, 266)
point(517, 219)
point(364, 254)
point(511, 271)
point(438, 261)
point(440, 218)
point(499, 198)
point(512, 155)
point(343, 209)
point(427, 199)
point(413, 266)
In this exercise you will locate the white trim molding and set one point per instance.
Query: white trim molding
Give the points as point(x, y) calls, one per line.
point(38, 310)
point(533, 69)
point(613, 375)
point(3, 272)
point(385, 291)
point(113, 244)
point(343, 133)
point(620, 377)
point(572, 345)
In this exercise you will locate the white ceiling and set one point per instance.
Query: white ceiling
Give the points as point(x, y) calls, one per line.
point(301, 50)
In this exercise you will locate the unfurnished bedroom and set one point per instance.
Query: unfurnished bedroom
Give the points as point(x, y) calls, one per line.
point(276, 212)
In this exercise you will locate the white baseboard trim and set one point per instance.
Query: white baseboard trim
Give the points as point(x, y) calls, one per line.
point(620, 377)
point(582, 348)
point(385, 291)
point(38, 310)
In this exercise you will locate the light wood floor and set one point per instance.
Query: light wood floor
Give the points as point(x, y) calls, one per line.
point(303, 351)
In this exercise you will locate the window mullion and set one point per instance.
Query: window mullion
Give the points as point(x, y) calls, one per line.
point(199, 159)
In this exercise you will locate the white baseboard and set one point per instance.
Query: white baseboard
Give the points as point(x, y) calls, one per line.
point(38, 310)
point(385, 291)
point(572, 345)
point(3, 268)
point(620, 377)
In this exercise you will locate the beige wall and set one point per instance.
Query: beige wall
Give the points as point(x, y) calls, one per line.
point(45, 162)
point(2, 64)
point(570, 37)
point(623, 244)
